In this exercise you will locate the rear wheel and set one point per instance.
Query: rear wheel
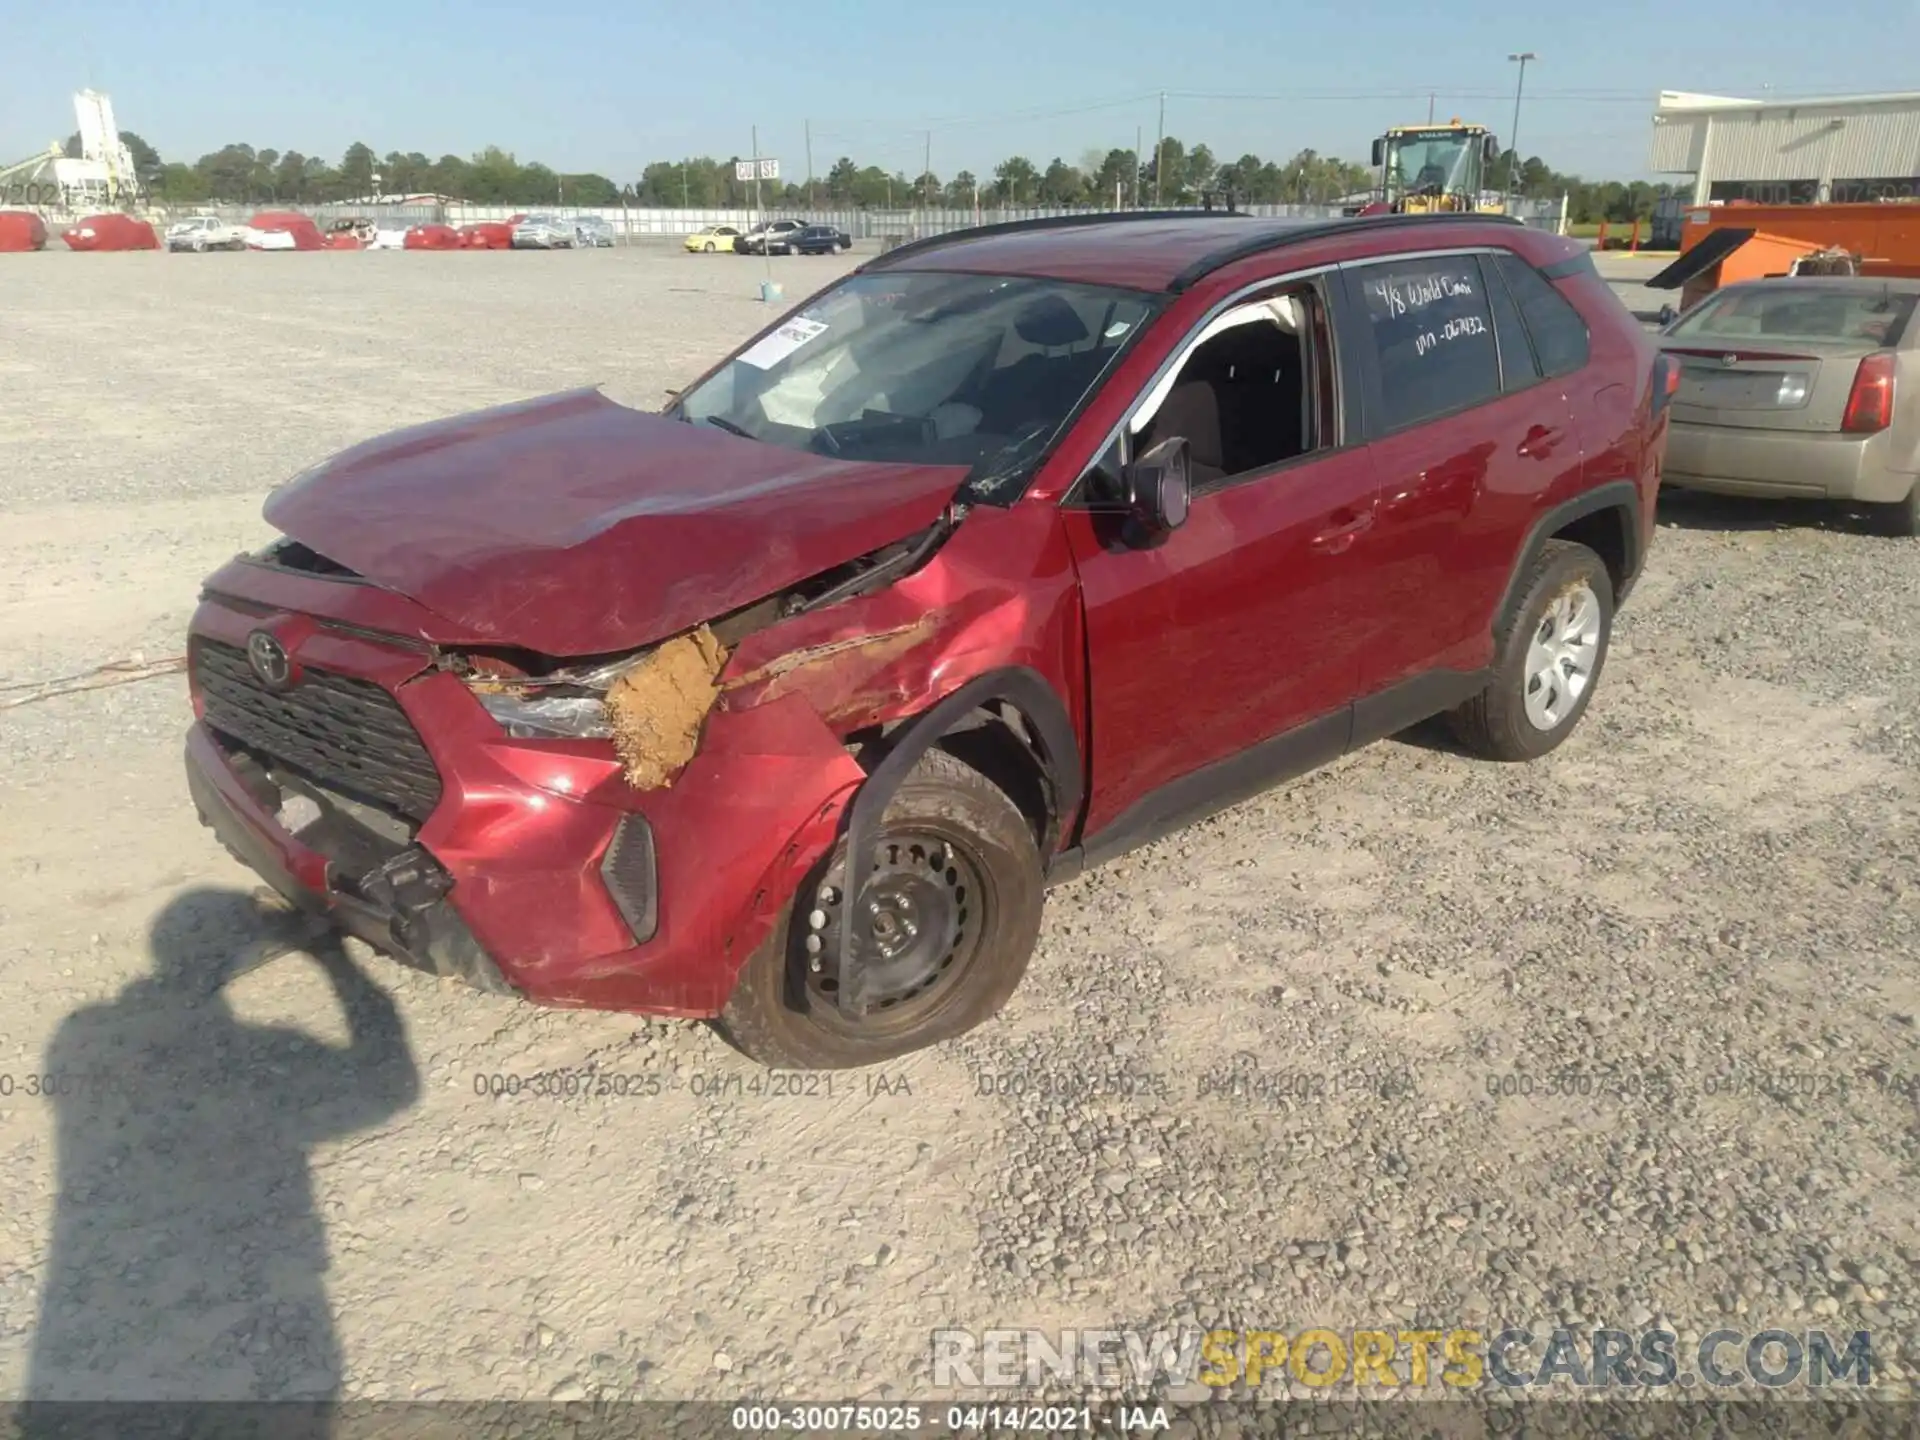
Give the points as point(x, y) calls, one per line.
point(953, 904)
point(1548, 658)
point(1902, 517)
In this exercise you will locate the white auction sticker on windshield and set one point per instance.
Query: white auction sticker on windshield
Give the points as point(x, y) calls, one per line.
point(781, 343)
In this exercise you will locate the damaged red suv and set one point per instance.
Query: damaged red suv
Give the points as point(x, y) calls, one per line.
point(1011, 550)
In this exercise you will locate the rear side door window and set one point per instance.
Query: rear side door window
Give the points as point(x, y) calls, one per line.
point(1433, 336)
point(1558, 333)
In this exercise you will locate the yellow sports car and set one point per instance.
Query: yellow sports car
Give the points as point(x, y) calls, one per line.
point(714, 237)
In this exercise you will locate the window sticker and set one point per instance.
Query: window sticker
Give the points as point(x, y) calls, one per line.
point(782, 342)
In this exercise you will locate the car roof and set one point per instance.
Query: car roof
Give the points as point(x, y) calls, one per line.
point(1142, 250)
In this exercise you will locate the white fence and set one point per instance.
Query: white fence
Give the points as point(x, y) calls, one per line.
point(638, 222)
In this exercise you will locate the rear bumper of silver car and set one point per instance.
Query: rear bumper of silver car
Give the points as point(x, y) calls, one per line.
point(1786, 464)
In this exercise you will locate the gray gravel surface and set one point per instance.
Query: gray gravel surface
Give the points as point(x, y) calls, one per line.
point(1626, 1037)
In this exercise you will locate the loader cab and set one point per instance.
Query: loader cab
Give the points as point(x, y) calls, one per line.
point(1438, 168)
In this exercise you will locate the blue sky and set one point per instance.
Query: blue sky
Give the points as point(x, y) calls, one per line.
point(591, 85)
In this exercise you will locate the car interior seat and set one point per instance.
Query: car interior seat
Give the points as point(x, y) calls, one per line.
point(1047, 381)
point(1239, 402)
point(1192, 412)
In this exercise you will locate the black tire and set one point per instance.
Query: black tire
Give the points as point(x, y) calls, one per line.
point(1901, 517)
point(1495, 724)
point(781, 1013)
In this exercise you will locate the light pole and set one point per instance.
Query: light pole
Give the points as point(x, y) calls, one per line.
point(1513, 142)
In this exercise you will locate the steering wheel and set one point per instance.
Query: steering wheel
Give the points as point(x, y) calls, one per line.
point(826, 442)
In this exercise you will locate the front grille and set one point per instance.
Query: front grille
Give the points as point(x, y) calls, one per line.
point(349, 735)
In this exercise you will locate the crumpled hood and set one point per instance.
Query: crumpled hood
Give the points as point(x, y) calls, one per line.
point(573, 525)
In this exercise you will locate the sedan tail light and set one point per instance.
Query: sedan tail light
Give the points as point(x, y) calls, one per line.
point(1870, 403)
point(1666, 381)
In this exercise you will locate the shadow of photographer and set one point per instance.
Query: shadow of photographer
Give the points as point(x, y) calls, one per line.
point(188, 1260)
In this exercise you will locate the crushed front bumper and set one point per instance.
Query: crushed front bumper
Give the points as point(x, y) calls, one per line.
point(399, 908)
point(538, 870)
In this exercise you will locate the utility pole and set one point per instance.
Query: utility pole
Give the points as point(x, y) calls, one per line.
point(1160, 151)
point(766, 245)
point(1139, 159)
point(1429, 107)
point(810, 197)
point(1513, 167)
point(926, 173)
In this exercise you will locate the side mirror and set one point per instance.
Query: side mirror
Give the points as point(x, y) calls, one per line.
point(1492, 150)
point(1159, 490)
point(1379, 153)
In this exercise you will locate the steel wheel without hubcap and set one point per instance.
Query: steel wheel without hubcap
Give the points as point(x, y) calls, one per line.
point(1560, 657)
point(924, 904)
point(952, 911)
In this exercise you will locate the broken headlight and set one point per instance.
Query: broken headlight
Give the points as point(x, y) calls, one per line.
point(548, 717)
point(563, 705)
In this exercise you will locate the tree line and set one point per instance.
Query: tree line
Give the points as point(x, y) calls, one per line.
point(1170, 174)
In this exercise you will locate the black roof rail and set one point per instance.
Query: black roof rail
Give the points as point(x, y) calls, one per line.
point(1300, 234)
point(1045, 222)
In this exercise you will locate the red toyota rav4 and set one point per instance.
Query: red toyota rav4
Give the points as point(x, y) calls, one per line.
point(1011, 550)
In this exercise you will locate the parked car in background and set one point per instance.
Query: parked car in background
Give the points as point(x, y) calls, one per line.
point(431, 237)
point(595, 231)
point(714, 237)
point(284, 230)
point(487, 235)
point(769, 239)
point(545, 232)
point(201, 233)
point(111, 231)
point(818, 240)
point(1801, 387)
point(352, 233)
point(780, 706)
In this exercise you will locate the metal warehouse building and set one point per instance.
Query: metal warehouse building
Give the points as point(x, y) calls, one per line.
point(1790, 152)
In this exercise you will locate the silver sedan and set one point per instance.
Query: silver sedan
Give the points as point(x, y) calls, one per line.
point(1801, 387)
point(545, 232)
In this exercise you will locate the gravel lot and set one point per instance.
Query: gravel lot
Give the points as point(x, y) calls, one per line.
point(1702, 910)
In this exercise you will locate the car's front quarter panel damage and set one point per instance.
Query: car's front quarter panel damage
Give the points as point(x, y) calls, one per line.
point(1000, 592)
point(764, 798)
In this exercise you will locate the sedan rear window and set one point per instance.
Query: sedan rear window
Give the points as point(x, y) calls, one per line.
point(1804, 313)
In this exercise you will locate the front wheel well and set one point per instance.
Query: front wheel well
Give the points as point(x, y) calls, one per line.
point(1606, 532)
point(998, 741)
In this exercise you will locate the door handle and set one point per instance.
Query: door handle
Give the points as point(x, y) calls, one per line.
point(1539, 443)
point(1338, 538)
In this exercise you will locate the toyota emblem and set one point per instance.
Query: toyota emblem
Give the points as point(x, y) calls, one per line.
point(1729, 359)
point(269, 660)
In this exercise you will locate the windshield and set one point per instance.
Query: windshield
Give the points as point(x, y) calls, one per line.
point(923, 368)
point(1808, 315)
point(1443, 164)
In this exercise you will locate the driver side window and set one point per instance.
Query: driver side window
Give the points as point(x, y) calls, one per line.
point(1254, 390)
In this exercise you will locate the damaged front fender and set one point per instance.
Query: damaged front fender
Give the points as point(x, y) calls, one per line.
point(758, 804)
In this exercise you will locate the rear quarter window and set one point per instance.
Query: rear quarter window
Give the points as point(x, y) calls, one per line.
point(1559, 335)
point(1433, 336)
